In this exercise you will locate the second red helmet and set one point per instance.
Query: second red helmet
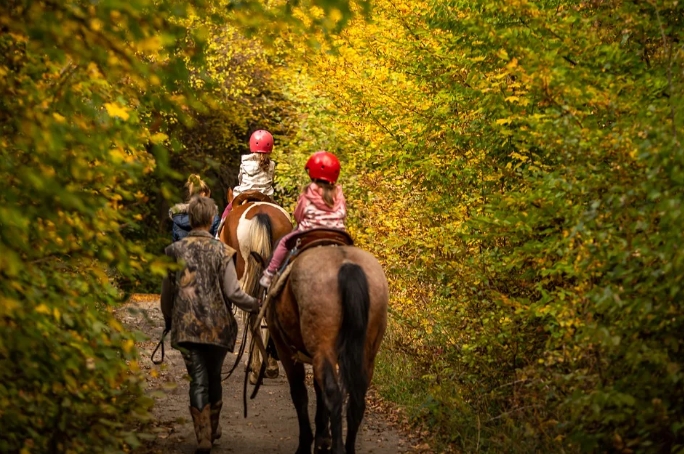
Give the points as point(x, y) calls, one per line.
point(261, 142)
point(323, 166)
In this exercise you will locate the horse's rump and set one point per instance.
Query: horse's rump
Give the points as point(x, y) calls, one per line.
point(248, 219)
point(315, 285)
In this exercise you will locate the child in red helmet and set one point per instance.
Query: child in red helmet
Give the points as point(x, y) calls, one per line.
point(256, 168)
point(321, 204)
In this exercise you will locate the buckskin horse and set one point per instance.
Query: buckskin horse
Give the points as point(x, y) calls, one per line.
point(255, 224)
point(331, 312)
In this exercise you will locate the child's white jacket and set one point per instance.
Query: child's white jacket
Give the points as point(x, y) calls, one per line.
point(253, 178)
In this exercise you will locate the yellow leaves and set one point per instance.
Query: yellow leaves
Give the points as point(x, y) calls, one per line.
point(119, 155)
point(116, 326)
point(42, 309)
point(7, 306)
point(158, 138)
point(116, 110)
point(128, 345)
point(94, 71)
point(58, 118)
point(151, 44)
point(95, 25)
point(503, 121)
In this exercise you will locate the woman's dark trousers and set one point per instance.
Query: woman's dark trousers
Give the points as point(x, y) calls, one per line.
point(204, 363)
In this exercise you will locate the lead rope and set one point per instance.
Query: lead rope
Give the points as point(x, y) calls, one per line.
point(160, 344)
point(241, 352)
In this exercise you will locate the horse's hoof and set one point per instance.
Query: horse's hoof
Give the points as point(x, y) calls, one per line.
point(272, 370)
point(253, 378)
point(323, 445)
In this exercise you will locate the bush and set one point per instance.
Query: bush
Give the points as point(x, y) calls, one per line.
point(81, 84)
point(517, 168)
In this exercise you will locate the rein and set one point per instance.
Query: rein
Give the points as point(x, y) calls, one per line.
point(160, 344)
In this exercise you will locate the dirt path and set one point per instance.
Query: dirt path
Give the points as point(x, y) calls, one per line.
point(271, 425)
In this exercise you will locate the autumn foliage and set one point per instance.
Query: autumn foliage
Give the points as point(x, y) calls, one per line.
point(79, 85)
point(516, 166)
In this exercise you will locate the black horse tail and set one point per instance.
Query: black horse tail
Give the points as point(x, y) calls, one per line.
point(351, 340)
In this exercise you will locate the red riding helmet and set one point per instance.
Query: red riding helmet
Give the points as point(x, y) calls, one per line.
point(261, 142)
point(323, 166)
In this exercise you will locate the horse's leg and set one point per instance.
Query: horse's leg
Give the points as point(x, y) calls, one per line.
point(295, 376)
point(324, 373)
point(323, 441)
point(272, 370)
point(256, 356)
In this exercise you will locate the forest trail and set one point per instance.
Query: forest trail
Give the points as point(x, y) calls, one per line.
point(271, 425)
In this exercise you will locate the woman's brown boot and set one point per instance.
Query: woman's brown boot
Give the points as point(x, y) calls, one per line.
point(215, 426)
point(202, 422)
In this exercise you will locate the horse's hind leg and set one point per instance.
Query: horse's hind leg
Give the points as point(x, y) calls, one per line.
point(295, 376)
point(323, 441)
point(327, 379)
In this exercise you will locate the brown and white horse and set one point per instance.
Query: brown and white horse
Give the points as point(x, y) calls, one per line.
point(333, 310)
point(254, 226)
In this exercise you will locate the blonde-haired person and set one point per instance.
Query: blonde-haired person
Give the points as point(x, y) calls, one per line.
point(196, 302)
point(179, 212)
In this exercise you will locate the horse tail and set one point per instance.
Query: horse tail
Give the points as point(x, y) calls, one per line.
point(351, 341)
point(261, 242)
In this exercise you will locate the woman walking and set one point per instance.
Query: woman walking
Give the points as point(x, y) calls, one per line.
point(196, 303)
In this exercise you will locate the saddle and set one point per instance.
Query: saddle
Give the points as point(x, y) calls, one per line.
point(302, 241)
point(251, 196)
point(308, 239)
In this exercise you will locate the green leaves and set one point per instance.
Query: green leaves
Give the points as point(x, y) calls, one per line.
point(529, 152)
point(81, 83)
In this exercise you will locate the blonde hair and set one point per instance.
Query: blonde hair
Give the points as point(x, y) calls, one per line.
point(196, 186)
point(329, 191)
point(264, 162)
point(201, 211)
